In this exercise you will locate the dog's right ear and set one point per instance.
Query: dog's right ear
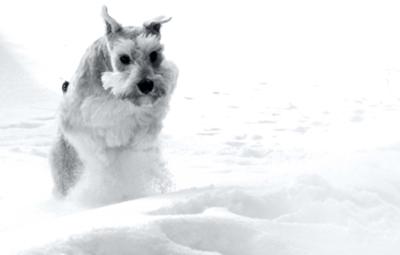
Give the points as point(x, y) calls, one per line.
point(153, 26)
point(112, 26)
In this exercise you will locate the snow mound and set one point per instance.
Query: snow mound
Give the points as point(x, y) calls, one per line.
point(309, 216)
point(20, 95)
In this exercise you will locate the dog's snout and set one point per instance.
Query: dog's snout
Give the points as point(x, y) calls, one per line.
point(145, 86)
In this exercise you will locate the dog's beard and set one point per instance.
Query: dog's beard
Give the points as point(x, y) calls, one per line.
point(119, 84)
point(116, 83)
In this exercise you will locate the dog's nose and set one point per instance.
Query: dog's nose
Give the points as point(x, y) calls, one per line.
point(146, 86)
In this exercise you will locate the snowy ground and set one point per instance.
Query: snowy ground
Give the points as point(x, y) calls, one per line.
point(283, 135)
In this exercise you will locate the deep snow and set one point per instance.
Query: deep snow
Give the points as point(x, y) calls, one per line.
point(282, 138)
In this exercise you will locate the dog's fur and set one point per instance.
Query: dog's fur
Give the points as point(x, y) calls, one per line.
point(109, 120)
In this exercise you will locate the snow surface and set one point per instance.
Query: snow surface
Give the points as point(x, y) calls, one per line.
point(282, 137)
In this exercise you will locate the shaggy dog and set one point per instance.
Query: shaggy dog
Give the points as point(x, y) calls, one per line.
point(111, 116)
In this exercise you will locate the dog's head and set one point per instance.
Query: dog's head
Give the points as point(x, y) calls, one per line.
point(139, 73)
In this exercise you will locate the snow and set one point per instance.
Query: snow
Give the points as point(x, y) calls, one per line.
point(282, 137)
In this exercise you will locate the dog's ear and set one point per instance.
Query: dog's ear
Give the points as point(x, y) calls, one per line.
point(112, 26)
point(153, 26)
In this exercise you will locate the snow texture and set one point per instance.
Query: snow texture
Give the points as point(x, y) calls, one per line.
point(282, 136)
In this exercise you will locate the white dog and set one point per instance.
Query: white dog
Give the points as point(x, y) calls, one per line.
point(111, 116)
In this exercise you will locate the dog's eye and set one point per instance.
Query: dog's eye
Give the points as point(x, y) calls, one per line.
point(125, 59)
point(153, 56)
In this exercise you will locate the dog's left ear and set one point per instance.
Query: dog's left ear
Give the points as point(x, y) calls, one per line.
point(112, 26)
point(154, 26)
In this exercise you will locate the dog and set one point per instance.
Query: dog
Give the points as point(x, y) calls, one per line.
point(111, 115)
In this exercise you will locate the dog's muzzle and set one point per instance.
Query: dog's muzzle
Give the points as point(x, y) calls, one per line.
point(146, 92)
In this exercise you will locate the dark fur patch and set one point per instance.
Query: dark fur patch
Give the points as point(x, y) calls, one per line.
point(64, 86)
point(154, 28)
point(65, 165)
